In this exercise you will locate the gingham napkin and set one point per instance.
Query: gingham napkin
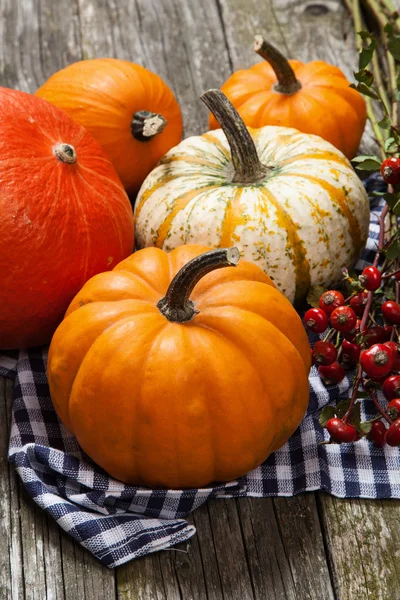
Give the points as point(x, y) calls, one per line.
point(117, 522)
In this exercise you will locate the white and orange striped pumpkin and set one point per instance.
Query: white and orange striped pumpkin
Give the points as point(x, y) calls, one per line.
point(289, 201)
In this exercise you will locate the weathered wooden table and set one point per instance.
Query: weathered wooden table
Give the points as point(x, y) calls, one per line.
point(311, 546)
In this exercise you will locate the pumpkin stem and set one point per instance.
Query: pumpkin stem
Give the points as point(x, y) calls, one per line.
point(65, 153)
point(247, 165)
point(176, 305)
point(146, 125)
point(287, 82)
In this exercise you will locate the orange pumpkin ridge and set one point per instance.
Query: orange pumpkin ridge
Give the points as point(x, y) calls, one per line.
point(188, 352)
point(314, 98)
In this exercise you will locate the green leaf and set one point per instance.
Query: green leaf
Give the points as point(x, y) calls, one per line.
point(396, 95)
point(394, 250)
point(342, 407)
point(390, 145)
point(364, 89)
point(385, 123)
point(366, 162)
point(361, 394)
point(388, 29)
point(364, 428)
point(393, 45)
point(364, 76)
point(364, 35)
point(391, 199)
point(396, 208)
point(326, 413)
point(366, 55)
point(314, 295)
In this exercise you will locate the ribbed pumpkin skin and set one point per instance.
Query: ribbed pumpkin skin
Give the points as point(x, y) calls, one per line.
point(179, 405)
point(103, 94)
point(59, 223)
point(307, 219)
point(325, 105)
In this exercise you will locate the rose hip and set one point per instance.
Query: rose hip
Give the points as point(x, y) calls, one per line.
point(343, 318)
point(358, 302)
point(324, 353)
point(350, 353)
point(377, 360)
point(330, 300)
point(341, 432)
point(391, 387)
point(330, 374)
point(377, 434)
point(391, 312)
point(392, 436)
point(315, 319)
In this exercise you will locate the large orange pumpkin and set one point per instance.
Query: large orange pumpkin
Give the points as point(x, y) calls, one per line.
point(64, 216)
point(314, 98)
point(128, 109)
point(167, 390)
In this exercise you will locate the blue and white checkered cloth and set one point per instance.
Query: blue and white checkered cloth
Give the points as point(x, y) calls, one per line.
point(117, 522)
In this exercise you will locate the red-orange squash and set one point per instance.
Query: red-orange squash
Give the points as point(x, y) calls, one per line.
point(127, 108)
point(64, 216)
point(314, 98)
point(171, 373)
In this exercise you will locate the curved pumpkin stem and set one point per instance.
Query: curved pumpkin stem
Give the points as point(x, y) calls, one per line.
point(146, 125)
point(247, 165)
point(176, 305)
point(287, 82)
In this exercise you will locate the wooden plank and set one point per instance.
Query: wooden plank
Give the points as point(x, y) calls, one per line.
point(83, 575)
point(363, 546)
point(182, 42)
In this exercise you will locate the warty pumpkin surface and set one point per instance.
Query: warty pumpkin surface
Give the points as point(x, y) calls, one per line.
point(64, 216)
point(128, 109)
point(169, 391)
point(312, 97)
point(289, 201)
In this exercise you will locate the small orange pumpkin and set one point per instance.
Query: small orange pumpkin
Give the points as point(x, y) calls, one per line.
point(169, 391)
point(127, 108)
point(313, 98)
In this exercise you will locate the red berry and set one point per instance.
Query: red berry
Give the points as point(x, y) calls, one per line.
point(397, 276)
point(377, 434)
point(324, 353)
point(358, 302)
point(395, 348)
point(316, 320)
point(370, 279)
point(377, 360)
point(351, 335)
point(375, 335)
point(391, 387)
point(390, 170)
point(331, 300)
point(350, 353)
point(393, 408)
point(330, 374)
point(340, 431)
point(387, 332)
point(343, 318)
point(392, 436)
point(391, 311)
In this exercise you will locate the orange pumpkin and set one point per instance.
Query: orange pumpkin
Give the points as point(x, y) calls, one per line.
point(313, 98)
point(169, 391)
point(64, 216)
point(128, 109)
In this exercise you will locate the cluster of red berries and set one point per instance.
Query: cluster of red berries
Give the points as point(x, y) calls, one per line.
point(373, 350)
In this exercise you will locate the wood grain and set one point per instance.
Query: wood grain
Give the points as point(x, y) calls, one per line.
point(250, 549)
